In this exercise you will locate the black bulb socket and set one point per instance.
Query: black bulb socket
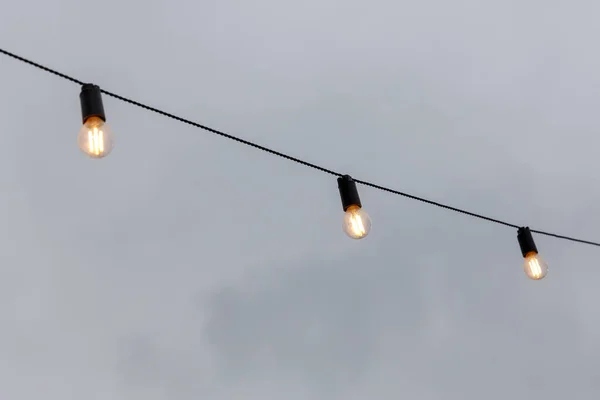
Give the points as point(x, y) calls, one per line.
point(526, 241)
point(91, 102)
point(348, 192)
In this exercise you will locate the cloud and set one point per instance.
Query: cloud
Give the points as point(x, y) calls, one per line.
point(364, 322)
point(186, 266)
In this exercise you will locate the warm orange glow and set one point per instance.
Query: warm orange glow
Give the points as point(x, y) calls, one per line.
point(535, 267)
point(357, 222)
point(94, 138)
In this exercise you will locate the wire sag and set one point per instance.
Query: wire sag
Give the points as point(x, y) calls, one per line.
point(288, 157)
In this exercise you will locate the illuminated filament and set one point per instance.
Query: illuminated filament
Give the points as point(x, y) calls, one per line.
point(535, 267)
point(96, 141)
point(357, 225)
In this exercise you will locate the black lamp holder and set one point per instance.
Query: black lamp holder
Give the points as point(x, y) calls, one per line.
point(91, 102)
point(348, 192)
point(526, 241)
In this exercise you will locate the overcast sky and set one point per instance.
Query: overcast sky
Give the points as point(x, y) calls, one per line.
point(186, 266)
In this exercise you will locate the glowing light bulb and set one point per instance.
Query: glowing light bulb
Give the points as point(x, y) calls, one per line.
point(535, 267)
point(95, 138)
point(357, 223)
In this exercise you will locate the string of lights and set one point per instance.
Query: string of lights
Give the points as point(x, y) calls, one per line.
point(96, 140)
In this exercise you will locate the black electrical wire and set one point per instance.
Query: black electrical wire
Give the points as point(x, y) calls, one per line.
point(288, 157)
point(40, 66)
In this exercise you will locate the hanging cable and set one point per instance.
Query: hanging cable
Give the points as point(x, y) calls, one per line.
point(288, 157)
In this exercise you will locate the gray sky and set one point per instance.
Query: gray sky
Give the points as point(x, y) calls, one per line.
point(186, 266)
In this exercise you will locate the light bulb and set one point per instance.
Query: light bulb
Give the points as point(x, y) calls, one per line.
point(95, 138)
point(535, 267)
point(357, 223)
